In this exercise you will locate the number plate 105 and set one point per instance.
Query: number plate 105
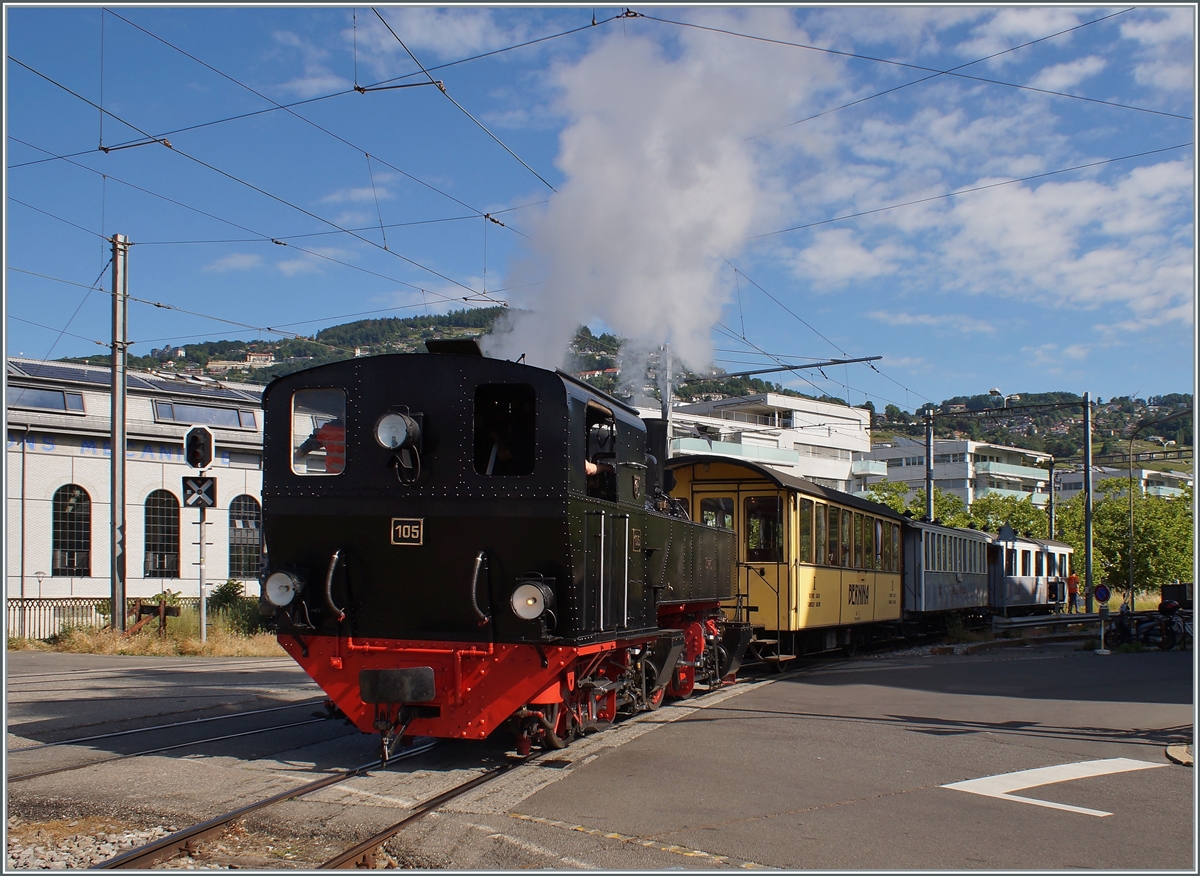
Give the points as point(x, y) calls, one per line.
point(408, 530)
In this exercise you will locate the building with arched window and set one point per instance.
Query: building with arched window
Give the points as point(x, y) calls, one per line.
point(58, 478)
point(245, 537)
point(71, 532)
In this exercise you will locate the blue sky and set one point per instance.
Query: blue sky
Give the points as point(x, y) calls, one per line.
point(750, 185)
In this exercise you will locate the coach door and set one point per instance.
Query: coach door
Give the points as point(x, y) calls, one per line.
point(762, 570)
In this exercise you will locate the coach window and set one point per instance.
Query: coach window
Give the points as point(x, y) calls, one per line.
point(764, 528)
point(1038, 564)
point(505, 434)
point(806, 511)
point(847, 537)
point(819, 549)
point(895, 547)
point(245, 538)
point(833, 558)
point(162, 535)
point(880, 529)
point(1010, 562)
point(71, 532)
point(858, 541)
point(717, 512)
point(1025, 564)
point(1051, 569)
point(319, 431)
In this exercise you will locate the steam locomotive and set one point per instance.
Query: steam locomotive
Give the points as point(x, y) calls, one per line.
point(457, 543)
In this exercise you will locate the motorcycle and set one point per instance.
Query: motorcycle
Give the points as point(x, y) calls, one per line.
point(1163, 629)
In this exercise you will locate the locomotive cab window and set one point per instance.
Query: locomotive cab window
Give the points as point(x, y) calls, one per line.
point(600, 460)
point(319, 431)
point(505, 434)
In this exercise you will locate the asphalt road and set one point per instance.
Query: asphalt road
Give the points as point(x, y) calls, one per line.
point(837, 765)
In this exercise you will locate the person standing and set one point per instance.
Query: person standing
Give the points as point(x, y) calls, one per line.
point(1072, 593)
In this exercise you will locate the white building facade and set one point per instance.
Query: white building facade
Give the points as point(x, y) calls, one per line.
point(58, 476)
point(967, 469)
point(805, 438)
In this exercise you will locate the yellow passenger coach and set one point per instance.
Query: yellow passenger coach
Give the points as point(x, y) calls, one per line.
point(818, 567)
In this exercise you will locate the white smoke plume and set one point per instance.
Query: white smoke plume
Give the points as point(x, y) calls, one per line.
point(661, 184)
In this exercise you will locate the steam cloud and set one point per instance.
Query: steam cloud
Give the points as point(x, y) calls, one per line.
point(660, 186)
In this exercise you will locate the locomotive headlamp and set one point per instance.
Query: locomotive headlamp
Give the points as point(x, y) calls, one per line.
point(531, 599)
point(281, 588)
point(394, 431)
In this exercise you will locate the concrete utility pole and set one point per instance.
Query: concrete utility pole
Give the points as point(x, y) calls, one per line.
point(120, 355)
point(929, 464)
point(1087, 501)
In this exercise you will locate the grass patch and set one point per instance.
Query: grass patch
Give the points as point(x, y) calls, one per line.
point(957, 633)
point(230, 635)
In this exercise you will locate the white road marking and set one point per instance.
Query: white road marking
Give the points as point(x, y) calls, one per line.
point(1002, 786)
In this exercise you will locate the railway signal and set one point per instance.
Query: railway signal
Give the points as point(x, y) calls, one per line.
point(199, 447)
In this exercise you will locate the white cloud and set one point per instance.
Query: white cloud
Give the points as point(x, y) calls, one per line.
point(956, 322)
point(361, 194)
point(1060, 77)
point(238, 261)
point(434, 35)
point(317, 78)
point(837, 258)
point(1013, 26)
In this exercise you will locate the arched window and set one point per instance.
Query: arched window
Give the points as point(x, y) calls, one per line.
point(162, 535)
point(71, 532)
point(245, 537)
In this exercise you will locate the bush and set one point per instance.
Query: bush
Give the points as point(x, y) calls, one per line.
point(225, 595)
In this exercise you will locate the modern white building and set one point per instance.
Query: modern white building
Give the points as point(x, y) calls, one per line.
point(814, 440)
point(968, 469)
point(1168, 484)
point(58, 468)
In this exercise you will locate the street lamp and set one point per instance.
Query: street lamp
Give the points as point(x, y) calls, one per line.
point(1005, 399)
point(39, 576)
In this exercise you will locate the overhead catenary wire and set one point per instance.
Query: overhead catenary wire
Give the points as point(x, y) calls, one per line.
point(308, 100)
point(288, 109)
point(959, 192)
point(920, 67)
point(904, 85)
point(245, 183)
point(261, 236)
point(837, 347)
point(442, 88)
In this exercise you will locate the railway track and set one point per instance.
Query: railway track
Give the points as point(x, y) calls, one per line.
point(78, 739)
point(183, 841)
point(78, 766)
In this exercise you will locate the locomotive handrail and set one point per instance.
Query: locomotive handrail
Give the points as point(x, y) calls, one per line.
point(480, 562)
point(333, 561)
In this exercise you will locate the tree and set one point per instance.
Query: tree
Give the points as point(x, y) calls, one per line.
point(890, 493)
point(949, 509)
point(990, 512)
point(1163, 536)
point(893, 414)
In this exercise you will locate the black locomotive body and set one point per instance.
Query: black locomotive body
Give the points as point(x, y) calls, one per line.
point(455, 542)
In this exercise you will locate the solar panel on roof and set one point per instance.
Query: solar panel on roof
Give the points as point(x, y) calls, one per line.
point(103, 377)
point(66, 372)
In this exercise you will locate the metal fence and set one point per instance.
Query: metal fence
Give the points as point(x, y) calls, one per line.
point(43, 618)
